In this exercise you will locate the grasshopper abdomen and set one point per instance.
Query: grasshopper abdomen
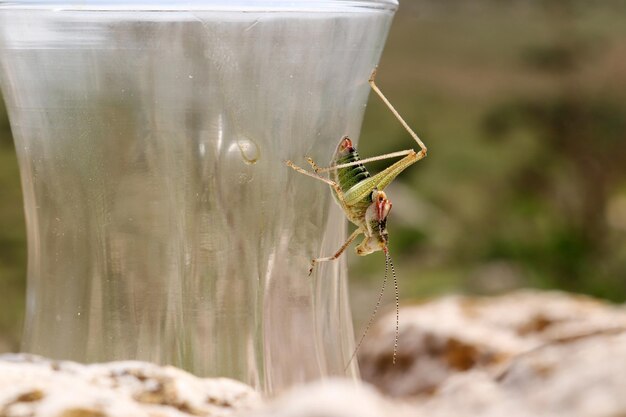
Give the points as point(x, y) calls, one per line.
point(348, 177)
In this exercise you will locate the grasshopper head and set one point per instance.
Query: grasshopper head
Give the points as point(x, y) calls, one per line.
point(376, 220)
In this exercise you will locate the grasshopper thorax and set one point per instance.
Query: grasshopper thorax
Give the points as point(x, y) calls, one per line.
point(376, 236)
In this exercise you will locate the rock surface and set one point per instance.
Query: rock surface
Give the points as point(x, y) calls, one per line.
point(582, 377)
point(453, 335)
point(334, 398)
point(33, 386)
point(579, 378)
point(525, 354)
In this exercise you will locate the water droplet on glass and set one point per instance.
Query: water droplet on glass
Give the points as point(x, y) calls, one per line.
point(250, 151)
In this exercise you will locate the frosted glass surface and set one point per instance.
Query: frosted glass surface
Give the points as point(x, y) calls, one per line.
point(239, 5)
point(162, 222)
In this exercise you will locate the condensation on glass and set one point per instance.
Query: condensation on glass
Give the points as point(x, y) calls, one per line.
point(162, 222)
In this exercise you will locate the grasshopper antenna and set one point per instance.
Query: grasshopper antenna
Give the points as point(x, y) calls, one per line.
point(371, 320)
point(395, 284)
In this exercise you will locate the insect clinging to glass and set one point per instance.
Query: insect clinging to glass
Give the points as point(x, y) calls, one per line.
point(363, 200)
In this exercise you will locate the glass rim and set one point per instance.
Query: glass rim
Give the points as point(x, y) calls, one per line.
point(200, 5)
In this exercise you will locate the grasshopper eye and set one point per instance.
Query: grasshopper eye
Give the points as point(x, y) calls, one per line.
point(375, 195)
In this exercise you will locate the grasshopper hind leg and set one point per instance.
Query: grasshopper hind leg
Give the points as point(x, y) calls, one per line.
point(372, 83)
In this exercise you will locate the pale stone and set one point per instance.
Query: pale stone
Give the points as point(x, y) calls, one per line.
point(334, 398)
point(579, 378)
point(33, 386)
point(456, 334)
point(526, 354)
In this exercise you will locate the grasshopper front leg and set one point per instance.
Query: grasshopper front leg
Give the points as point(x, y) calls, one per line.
point(340, 195)
point(339, 251)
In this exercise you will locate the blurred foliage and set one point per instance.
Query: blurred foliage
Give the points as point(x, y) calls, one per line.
point(12, 241)
point(523, 107)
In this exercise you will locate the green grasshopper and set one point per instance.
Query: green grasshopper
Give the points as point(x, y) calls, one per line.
point(363, 200)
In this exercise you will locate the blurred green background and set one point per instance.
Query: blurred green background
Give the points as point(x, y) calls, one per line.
point(523, 107)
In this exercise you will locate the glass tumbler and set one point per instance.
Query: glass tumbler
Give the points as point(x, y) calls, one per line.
point(162, 222)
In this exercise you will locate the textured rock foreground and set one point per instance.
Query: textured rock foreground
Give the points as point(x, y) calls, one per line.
point(583, 378)
point(32, 386)
point(453, 335)
point(520, 355)
point(525, 354)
